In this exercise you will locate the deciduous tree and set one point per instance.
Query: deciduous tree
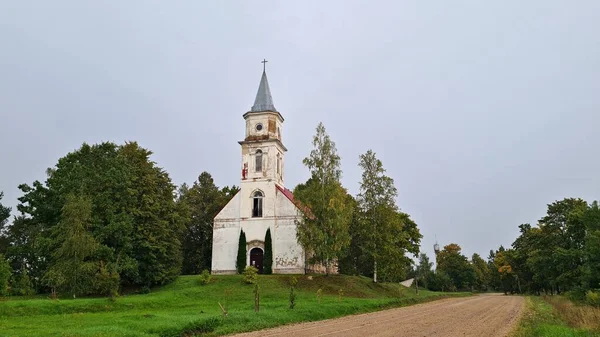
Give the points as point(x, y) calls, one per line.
point(74, 257)
point(323, 230)
point(133, 216)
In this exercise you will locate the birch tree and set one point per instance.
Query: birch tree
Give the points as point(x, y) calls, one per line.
point(381, 224)
point(323, 229)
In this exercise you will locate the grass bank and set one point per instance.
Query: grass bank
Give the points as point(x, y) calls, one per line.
point(558, 317)
point(186, 307)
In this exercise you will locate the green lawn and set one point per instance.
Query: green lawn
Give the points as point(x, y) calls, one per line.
point(187, 306)
point(540, 319)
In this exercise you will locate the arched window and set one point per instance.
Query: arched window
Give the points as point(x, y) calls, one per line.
point(257, 204)
point(259, 160)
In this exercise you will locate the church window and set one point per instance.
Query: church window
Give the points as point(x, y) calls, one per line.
point(259, 127)
point(259, 160)
point(257, 204)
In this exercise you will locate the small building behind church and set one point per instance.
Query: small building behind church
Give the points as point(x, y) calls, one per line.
point(262, 202)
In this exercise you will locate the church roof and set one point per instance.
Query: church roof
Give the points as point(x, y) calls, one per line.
point(288, 194)
point(263, 101)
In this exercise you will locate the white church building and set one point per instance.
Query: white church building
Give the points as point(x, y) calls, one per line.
point(262, 202)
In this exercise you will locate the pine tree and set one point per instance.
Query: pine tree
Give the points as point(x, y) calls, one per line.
point(268, 258)
point(241, 255)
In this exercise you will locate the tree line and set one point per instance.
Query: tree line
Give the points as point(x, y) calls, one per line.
point(108, 218)
point(561, 254)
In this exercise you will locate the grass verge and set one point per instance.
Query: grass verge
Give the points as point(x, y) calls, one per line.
point(186, 308)
point(551, 317)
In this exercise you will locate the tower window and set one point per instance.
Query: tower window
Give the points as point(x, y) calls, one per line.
point(257, 204)
point(259, 160)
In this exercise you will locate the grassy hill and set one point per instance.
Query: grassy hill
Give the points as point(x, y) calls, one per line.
point(186, 307)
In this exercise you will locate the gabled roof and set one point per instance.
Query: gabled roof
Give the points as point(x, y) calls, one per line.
point(263, 101)
point(288, 194)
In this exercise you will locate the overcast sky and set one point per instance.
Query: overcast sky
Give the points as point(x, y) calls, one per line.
point(482, 112)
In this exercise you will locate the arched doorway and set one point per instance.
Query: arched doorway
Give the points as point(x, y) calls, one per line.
point(256, 259)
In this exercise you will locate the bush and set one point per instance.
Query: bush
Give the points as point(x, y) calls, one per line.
point(250, 275)
point(293, 282)
point(592, 298)
point(192, 328)
point(205, 277)
point(577, 294)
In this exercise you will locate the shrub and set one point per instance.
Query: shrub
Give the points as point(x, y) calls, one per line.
point(293, 282)
point(192, 328)
point(319, 295)
point(205, 277)
point(145, 290)
point(593, 298)
point(577, 294)
point(250, 275)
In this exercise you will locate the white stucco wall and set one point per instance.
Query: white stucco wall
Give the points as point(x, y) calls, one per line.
point(279, 214)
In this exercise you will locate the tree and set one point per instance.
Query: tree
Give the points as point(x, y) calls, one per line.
point(268, 258)
point(386, 232)
point(4, 215)
point(591, 277)
point(240, 264)
point(21, 284)
point(133, 218)
point(323, 229)
point(198, 206)
point(482, 272)
point(456, 266)
point(5, 274)
point(73, 260)
point(424, 270)
point(377, 204)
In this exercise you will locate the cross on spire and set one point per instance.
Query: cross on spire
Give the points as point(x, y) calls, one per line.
point(264, 62)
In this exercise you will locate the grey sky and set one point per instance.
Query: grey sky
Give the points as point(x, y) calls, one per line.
point(482, 112)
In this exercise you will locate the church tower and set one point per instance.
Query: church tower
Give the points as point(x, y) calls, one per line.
point(262, 153)
point(263, 203)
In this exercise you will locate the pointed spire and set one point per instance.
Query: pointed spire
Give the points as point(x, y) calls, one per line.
point(263, 101)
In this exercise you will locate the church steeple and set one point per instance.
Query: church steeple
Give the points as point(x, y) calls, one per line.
point(264, 100)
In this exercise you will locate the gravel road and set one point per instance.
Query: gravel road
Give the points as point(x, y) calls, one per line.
point(483, 315)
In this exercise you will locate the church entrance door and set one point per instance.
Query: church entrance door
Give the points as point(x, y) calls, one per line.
point(256, 259)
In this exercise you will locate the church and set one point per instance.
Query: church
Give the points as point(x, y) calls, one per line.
point(262, 202)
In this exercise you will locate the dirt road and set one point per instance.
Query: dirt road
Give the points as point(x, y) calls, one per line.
point(483, 315)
